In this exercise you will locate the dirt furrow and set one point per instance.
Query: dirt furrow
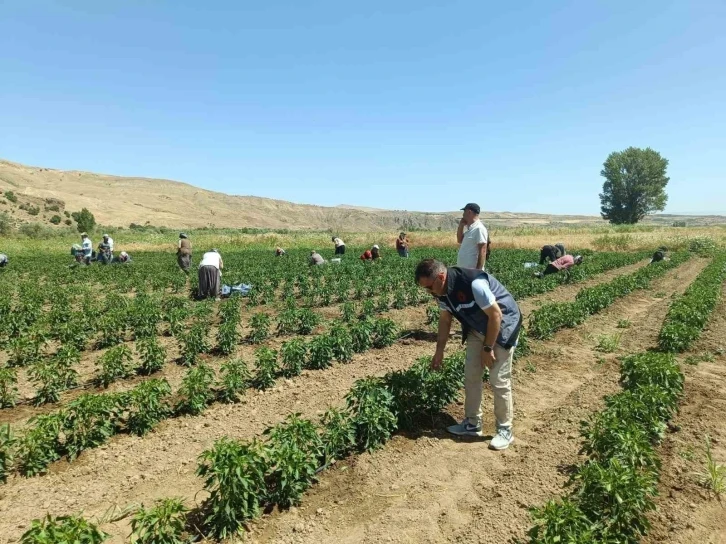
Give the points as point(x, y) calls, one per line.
point(687, 511)
point(130, 470)
point(431, 488)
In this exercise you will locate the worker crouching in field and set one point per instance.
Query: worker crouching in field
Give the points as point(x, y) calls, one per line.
point(558, 265)
point(490, 321)
point(551, 253)
point(3, 260)
point(210, 274)
point(123, 258)
point(660, 255)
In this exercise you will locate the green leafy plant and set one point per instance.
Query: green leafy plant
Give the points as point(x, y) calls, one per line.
point(55, 375)
point(153, 355)
point(320, 353)
point(292, 357)
point(194, 343)
point(234, 477)
point(8, 387)
point(617, 494)
point(385, 333)
point(260, 328)
point(561, 522)
point(265, 368)
point(196, 390)
point(307, 320)
point(348, 312)
point(341, 342)
point(338, 436)
point(228, 337)
point(362, 335)
point(372, 406)
point(235, 378)
point(116, 363)
point(90, 420)
point(63, 530)
point(40, 445)
point(293, 451)
point(162, 524)
point(148, 405)
point(7, 446)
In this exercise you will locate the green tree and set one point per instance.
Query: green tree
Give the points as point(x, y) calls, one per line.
point(84, 220)
point(635, 185)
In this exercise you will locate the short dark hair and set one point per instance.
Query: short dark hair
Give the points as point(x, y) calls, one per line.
point(428, 268)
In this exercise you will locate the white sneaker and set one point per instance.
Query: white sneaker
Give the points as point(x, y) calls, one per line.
point(502, 439)
point(465, 429)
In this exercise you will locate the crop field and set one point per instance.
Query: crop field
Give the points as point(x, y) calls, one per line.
point(306, 411)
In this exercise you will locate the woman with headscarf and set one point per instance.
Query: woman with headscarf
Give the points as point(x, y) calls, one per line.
point(210, 274)
point(184, 253)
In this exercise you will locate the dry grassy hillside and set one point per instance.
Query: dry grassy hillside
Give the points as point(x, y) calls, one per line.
point(120, 201)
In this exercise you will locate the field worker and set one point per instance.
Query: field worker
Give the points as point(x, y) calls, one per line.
point(472, 238)
point(376, 252)
point(551, 253)
point(103, 255)
point(563, 263)
point(366, 255)
point(279, 252)
point(315, 258)
point(402, 245)
point(108, 240)
point(339, 246)
point(490, 321)
point(124, 258)
point(210, 274)
point(3, 260)
point(659, 255)
point(86, 248)
point(184, 253)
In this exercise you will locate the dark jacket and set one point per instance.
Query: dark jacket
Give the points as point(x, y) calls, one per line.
point(459, 301)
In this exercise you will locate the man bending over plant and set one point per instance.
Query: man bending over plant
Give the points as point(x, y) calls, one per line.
point(490, 321)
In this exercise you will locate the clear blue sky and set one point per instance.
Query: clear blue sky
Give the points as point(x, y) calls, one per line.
point(421, 105)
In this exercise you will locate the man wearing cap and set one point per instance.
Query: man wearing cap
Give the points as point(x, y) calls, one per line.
point(108, 240)
point(472, 238)
point(3, 260)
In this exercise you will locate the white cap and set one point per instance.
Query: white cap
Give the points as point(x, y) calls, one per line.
point(376, 246)
point(105, 236)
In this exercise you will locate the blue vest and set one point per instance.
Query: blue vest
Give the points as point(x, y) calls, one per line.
point(460, 302)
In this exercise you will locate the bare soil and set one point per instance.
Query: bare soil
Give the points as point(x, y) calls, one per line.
point(429, 487)
point(421, 487)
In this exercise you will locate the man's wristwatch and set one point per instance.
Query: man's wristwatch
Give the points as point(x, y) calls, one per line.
point(488, 349)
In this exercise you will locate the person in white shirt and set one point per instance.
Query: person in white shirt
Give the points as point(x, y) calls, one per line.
point(473, 238)
point(108, 240)
point(86, 247)
point(210, 274)
point(339, 246)
point(3, 260)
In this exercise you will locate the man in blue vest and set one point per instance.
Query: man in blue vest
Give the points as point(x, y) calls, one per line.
point(490, 321)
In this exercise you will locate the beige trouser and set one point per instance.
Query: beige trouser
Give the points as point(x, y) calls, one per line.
point(500, 378)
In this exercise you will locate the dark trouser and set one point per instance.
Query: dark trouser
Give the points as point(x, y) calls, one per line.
point(340, 250)
point(551, 269)
point(184, 260)
point(208, 282)
point(403, 252)
point(547, 253)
